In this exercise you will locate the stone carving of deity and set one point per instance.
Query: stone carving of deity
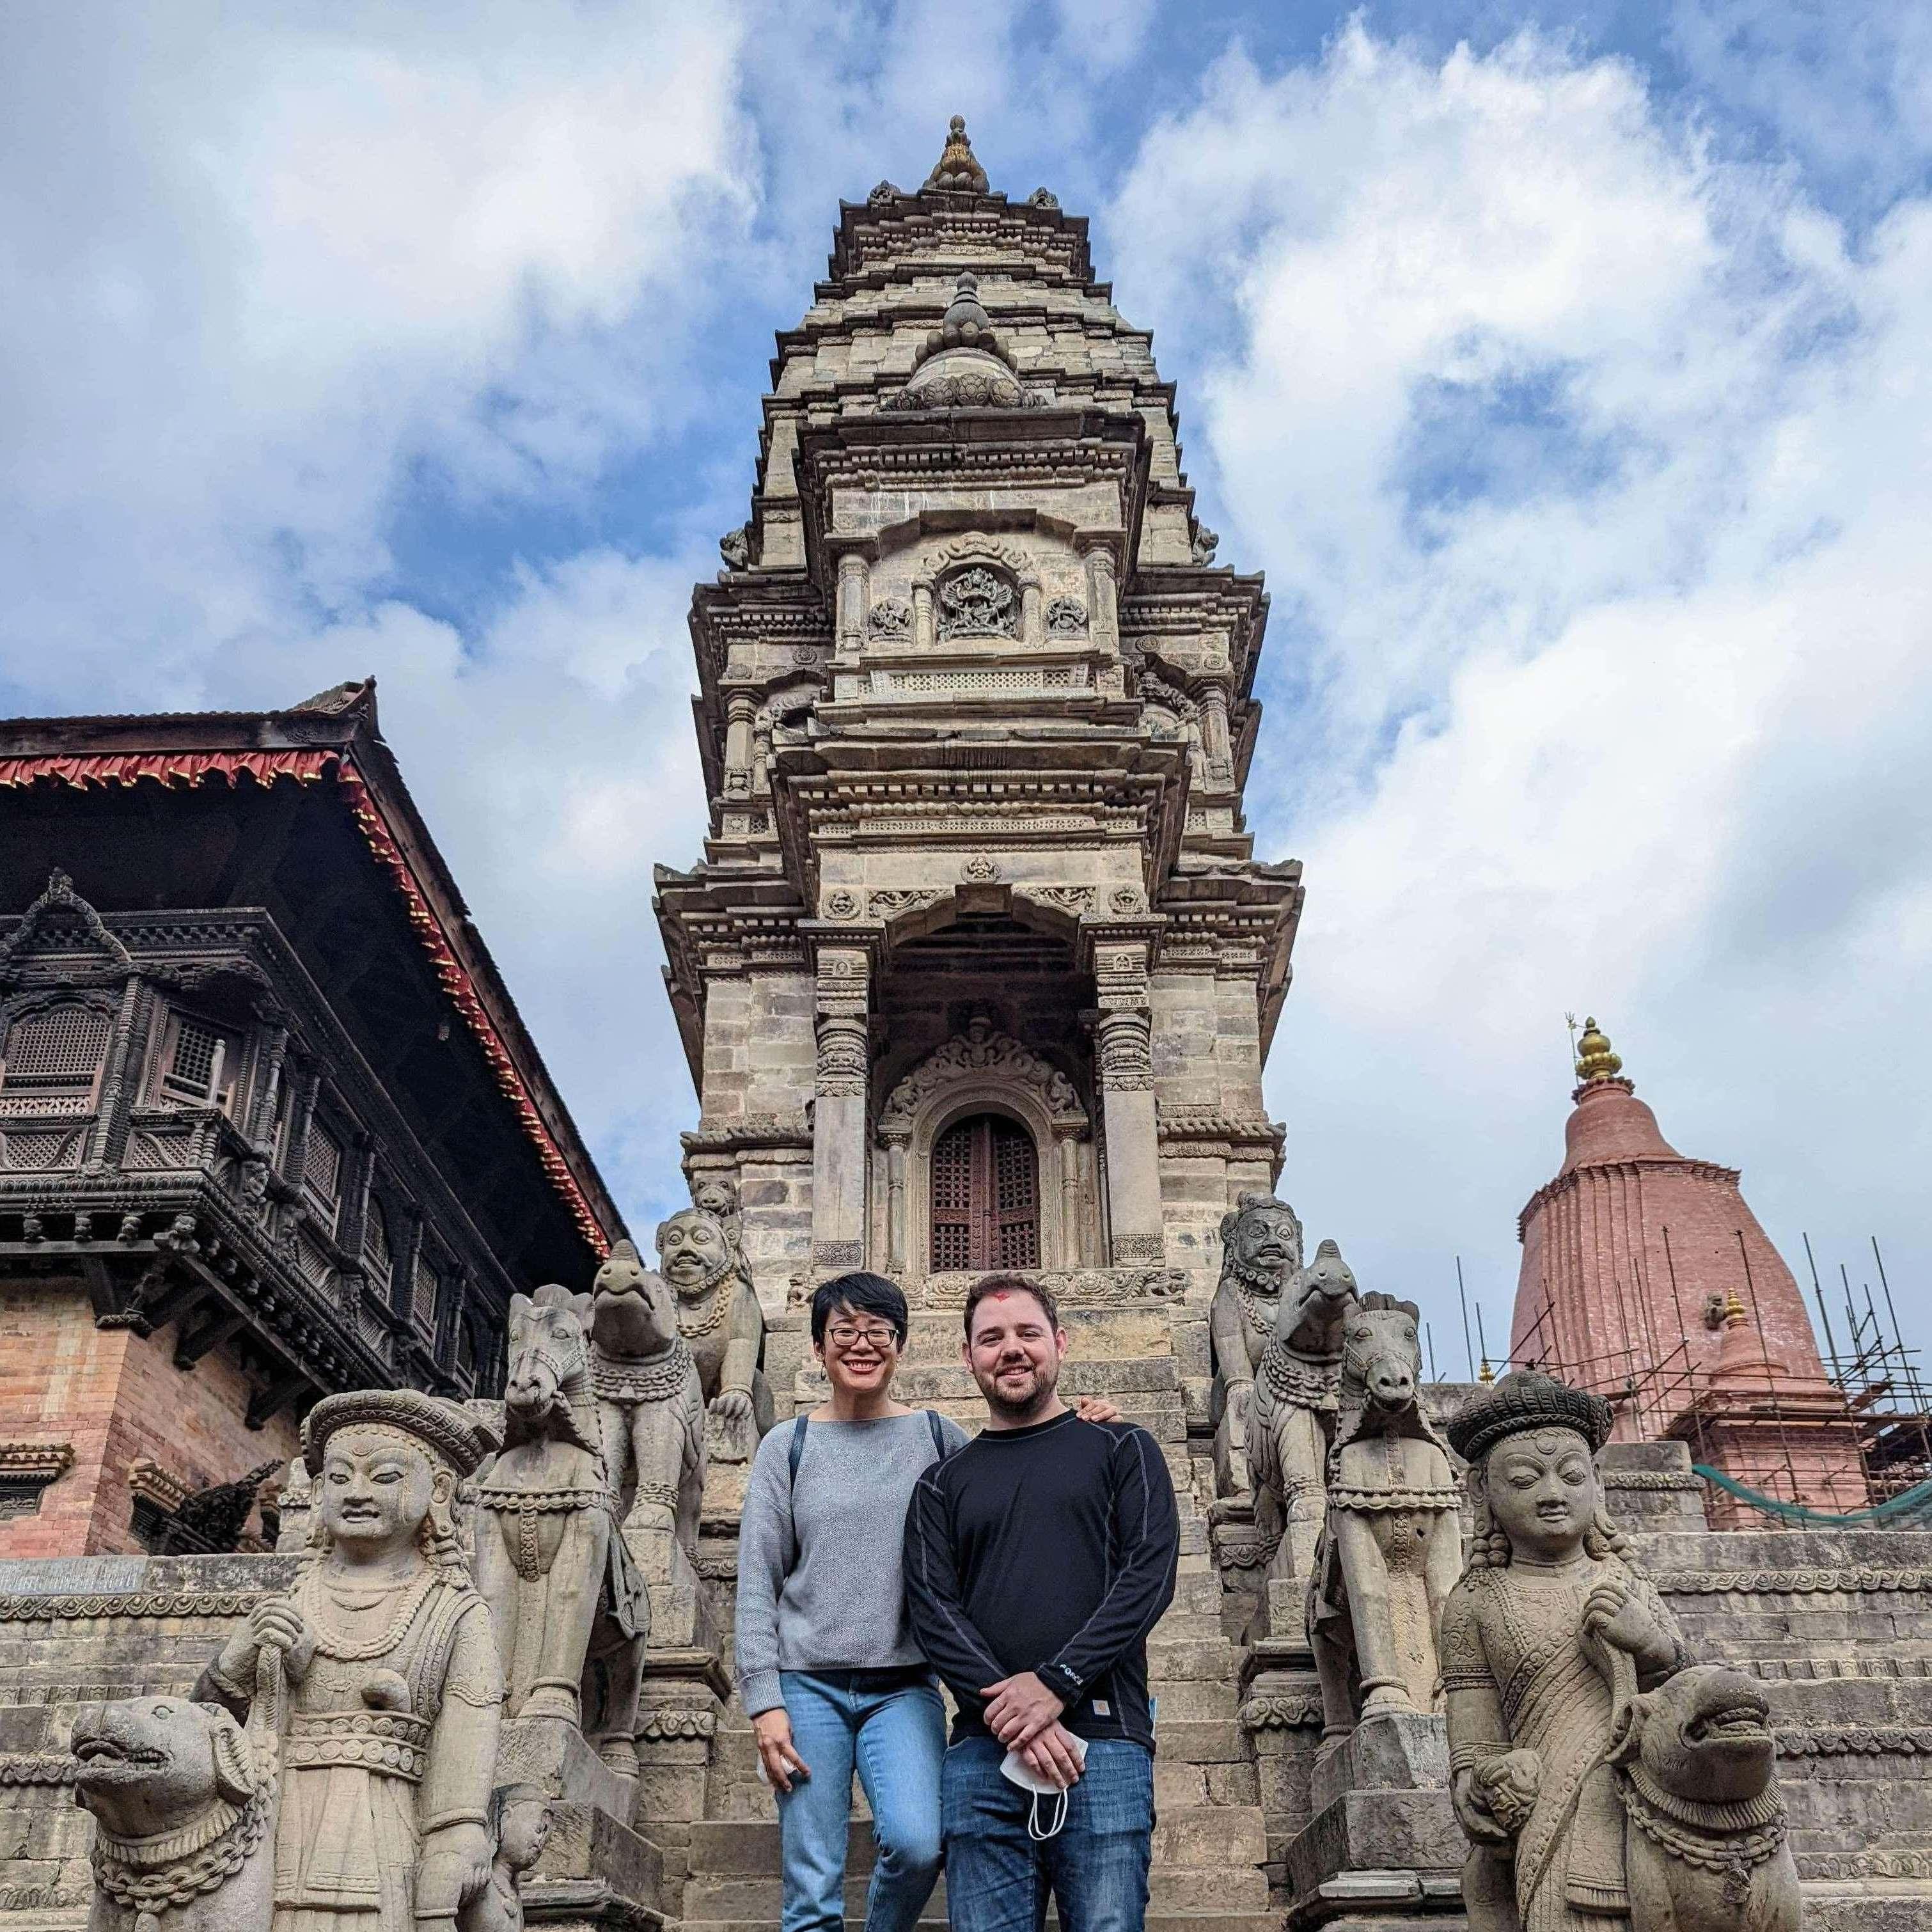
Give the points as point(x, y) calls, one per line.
point(379, 1675)
point(1261, 1248)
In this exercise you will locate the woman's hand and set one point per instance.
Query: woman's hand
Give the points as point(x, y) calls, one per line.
point(1095, 1408)
point(782, 1763)
point(1615, 1615)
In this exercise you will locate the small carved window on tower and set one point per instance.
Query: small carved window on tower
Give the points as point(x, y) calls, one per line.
point(52, 1061)
point(199, 1063)
point(465, 1351)
point(423, 1302)
point(978, 602)
point(322, 1174)
point(378, 1253)
point(985, 1196)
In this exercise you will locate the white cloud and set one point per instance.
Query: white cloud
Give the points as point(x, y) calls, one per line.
point(1588, 471)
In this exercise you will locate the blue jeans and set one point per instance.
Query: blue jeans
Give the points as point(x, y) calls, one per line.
point(893, 1732)
point(998, 1878)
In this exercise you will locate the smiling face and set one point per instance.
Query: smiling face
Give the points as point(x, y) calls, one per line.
point(1266, 1242)
point(693, 1252)
point(859, 1352)
point(375, 1491)
point(1543, 1493)
point(1015, 1352)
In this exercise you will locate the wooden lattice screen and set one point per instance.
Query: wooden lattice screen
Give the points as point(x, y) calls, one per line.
point(985, 1196)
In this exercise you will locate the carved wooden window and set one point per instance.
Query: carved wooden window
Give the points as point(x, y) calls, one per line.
point(53, 1059)
point(985, 1196)
point(428, 1293)
point(199, 1063)
point(378, 1253)
point(321, 1175)
point(465, 1351)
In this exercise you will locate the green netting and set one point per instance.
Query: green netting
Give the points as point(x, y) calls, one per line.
point(1908, 1506)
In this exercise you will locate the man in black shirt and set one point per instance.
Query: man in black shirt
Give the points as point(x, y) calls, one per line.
point(1037, 1558)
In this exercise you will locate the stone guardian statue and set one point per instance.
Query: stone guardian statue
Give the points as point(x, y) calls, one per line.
point(1261, 1248)
point(720, 1319)
point(1391, 1546)
point(1292, 1420)
point(1569, 1701)
point(383, 1662)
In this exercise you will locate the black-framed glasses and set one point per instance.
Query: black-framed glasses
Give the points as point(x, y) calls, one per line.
point(844, 1335)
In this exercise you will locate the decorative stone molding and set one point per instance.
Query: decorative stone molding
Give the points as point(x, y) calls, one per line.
point(137, 1603)
point(1788, 1582)
point(749, 1130)
point(842, 904)
point(1650, 1479)
point(661, 1727)
point(35, 1462)
point(1281, 1714)
point(975, 1055)
point(1065, 617)
point(1182, 1123)
point(1135, 1250)
point(1074, 899)
point(1125, 1059)
point(1075, 1288)
point(1127, 899)
point(1866, 1865)
point(890, 620)
point(891, 902)
point(1855, 1741)
point(979, 870)
point(152, 1483)
point(843, 1056)
point(16, 1768)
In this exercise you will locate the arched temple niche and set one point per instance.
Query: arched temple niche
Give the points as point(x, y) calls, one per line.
point(983, 1073)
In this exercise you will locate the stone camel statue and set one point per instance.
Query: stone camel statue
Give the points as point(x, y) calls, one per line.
point(1391, 1546)
point(650, 1402)
point(1292, 1419)
point(559, 1580)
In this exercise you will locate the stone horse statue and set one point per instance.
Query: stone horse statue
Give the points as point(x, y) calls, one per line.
point(650, 1401)
point(1391, 1547)
point(1292, 1419)
point(571, 1614)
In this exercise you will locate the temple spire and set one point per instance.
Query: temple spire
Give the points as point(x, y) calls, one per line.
point(1595, 1060)
point(957, 167)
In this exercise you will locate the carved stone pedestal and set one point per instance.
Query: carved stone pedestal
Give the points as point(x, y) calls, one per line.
point(685, 1689)
point(596, 1871)
point(683, 1614)
point(1383, 1838)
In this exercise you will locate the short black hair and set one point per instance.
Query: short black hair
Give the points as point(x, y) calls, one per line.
point(863, 1294)
point(1009, 1284)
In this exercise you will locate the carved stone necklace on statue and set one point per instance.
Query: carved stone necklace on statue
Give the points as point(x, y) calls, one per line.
point(330, 1641)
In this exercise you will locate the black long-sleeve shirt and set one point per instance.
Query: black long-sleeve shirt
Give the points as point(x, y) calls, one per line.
point(1052, 1549)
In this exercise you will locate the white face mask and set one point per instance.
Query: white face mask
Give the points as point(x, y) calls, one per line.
point(1017, 1770)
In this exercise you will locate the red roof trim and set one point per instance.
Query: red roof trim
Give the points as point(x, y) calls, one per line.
point(126, 768)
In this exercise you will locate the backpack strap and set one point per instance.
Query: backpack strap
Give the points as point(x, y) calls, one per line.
point(939, 1450)
point(797, 1455)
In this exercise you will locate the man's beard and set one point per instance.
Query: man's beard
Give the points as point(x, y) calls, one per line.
point(1018, 1408)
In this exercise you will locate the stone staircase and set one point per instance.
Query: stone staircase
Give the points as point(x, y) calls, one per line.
point(1210, 1844)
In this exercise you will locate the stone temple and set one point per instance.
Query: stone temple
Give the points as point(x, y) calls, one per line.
point(977, 969)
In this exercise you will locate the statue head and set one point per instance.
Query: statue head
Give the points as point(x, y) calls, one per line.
point(633, 1311)
point(1703, 1734)
point(695, 1252)
point(385, 1464)
point(1382, 1354)
point(1261, 1242)
point(716, 1194)
point(1531, 1444)
point(546, 1355)
point(520, 1821)
point(149, 1765)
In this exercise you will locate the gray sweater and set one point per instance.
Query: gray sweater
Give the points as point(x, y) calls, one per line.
point(819, 1571)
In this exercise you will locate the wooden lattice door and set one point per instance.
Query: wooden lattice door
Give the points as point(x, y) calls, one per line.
point(985, 1196)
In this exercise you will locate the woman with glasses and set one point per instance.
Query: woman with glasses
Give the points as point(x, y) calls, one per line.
point(828, 1668)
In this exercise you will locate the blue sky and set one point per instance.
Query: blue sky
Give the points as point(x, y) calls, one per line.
point(1564, 371)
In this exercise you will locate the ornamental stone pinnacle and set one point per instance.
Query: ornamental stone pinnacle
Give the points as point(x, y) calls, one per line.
point(957, 168)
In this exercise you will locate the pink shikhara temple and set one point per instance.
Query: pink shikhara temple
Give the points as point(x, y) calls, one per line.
point(1646, 1277)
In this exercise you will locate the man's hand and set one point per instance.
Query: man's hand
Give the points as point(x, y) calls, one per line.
point(1053, 1757)
point(1095, 1408)
point(782, 1763)
point(1019, 1708)
point(275, 1624)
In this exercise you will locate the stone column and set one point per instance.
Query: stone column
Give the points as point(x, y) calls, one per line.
point(922, 632)
point(899, 1235)
point(852, 585)
point(1123, 1043)
point(1072, 1222)
point(739, 714)
point(1033, 624)
point(1217, 742)
point(838, 1110)
point(1103, 621)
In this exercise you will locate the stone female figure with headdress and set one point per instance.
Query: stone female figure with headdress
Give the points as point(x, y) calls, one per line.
point(391, 1681)
point(1530, 1635)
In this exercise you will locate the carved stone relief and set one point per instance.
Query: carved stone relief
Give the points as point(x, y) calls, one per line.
point(977, 602)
